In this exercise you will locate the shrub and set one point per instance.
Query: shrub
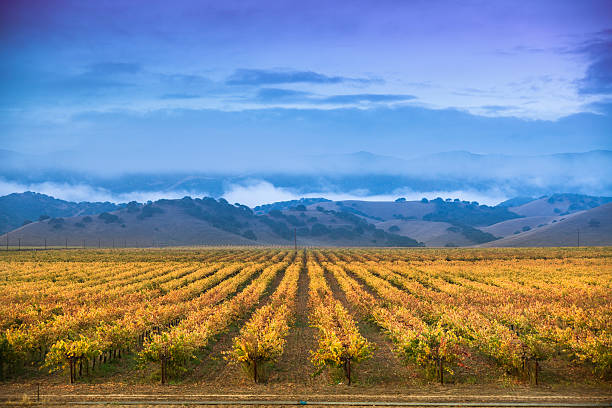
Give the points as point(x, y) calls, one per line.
point(56, 223)
point(109, 218)
point(319, 229)
point(593, 223)
point(149, 211)
point(133, 207)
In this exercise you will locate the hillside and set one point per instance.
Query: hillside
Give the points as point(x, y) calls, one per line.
point(19, 208)
point(559, 204)
point(206, 222)
point(585, 228)
point(518, 225)
point(313, 222)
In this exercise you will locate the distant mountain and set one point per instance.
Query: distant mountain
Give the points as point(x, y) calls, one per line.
point(19, 208)
point(361, 173)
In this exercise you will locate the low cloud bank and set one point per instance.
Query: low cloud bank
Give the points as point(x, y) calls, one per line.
point(84, 192)
point(262, 192)
point(252, 193)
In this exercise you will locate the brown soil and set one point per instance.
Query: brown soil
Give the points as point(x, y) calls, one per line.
point(214, 368)
point(294, 366)
point(384, 367)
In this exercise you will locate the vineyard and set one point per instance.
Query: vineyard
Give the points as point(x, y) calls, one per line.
point(329, 316)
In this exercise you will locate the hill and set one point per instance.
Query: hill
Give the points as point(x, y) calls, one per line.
point(313, 222)
point(559, 204)
point(585, 228)
point(518, 225)
point(19, 208)
point(206, 222)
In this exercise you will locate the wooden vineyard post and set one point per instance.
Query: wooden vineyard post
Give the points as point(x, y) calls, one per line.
point(72, 364)
point(163, 370)
point(348, 363)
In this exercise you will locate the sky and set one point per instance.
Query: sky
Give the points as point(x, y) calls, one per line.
point(158, 86)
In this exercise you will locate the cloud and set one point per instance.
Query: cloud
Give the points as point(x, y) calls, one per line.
point(85, 192)
point(598, 76)
point(179, 96)
point(258, 192)
point(276, 94)
point(269, 77)
point(111, 68)
point(495, 108)
point(102, 76)
point(363, 98)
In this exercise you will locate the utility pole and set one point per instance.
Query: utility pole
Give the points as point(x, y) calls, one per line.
point(295, 238)
point(66, 243)
point(578, 231)
point(19, 247)
point(83, 244)
point(45, 243)
point(7, 241)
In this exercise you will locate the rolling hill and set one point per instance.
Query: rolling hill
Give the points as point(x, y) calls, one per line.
point(314, 222)
point(205, 222)
point(19, 208)
point(585, 228)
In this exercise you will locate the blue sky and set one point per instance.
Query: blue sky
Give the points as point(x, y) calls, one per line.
point(200, 85)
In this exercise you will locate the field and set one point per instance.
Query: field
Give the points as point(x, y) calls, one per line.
point(312, 319)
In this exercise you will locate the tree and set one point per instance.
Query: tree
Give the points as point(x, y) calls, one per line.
point(249, 234)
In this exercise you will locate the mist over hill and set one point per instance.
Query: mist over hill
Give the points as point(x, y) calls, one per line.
point(487, 178)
